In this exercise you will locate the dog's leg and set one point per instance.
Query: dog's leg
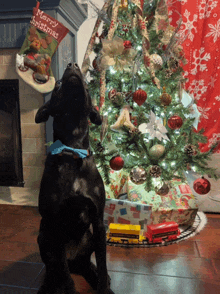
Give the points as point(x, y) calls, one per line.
point(100, 254)
point(57, 279)
point(83, 267)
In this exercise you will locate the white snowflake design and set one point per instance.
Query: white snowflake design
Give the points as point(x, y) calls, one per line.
point(199, 59)
point(215, 138)
point(206, 7)
point(212, 82)
point(215, 31)
point(197, 88)
point(217, 98)
point(186, 29)
point(203, 112)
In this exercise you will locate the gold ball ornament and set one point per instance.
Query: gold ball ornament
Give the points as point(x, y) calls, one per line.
point(138, 175)
point(157, 61)
point(165, 98)
point(156, 151)
point(155, 171)
point(163, 190)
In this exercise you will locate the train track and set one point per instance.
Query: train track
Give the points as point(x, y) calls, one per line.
point(186, 232)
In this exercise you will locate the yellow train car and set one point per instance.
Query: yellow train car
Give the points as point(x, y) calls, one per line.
point(129, 234)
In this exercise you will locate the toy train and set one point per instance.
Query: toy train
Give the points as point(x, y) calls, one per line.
point(132, 234)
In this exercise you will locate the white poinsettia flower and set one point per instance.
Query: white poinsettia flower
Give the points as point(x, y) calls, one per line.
point(142, 128)
point(154, 128)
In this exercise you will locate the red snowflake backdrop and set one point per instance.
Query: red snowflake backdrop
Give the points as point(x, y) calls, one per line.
point(200, 28)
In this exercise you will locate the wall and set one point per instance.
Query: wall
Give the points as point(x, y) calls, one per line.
point(86, 30)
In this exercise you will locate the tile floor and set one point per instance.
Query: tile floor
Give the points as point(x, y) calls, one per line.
point(192, 266)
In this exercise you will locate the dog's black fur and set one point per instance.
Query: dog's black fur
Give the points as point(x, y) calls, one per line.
point(72, 195)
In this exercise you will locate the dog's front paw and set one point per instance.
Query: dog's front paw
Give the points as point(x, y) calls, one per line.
point(106, 291)
point(67, 287)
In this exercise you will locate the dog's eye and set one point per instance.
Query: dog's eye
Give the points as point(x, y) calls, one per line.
point(76, 65)
point(58, 83)
point(69, 64)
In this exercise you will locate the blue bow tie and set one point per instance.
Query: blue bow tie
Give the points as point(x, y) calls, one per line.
point(57, 147)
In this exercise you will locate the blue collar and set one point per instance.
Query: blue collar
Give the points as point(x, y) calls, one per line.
point(57, 147)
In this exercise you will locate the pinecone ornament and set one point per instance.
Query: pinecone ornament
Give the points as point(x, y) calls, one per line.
point(99, 147)
point(190, 150)
point(155, 171)
point(117, 99)
point(173, 64)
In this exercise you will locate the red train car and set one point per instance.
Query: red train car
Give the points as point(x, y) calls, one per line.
point(162, 232)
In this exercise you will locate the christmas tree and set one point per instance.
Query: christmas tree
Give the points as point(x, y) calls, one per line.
point(136, 78)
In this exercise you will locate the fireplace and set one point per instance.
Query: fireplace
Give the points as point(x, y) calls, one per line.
point(11, 173)
point(22, 141)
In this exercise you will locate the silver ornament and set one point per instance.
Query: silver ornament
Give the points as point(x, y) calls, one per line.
point(138, 175)
point(163, 190)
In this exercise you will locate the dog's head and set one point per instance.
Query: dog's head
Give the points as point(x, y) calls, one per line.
point(70, 97)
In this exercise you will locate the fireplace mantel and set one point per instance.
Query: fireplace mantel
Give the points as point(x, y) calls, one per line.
point(15, 17)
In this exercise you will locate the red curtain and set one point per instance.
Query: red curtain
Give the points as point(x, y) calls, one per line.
point(200, 27)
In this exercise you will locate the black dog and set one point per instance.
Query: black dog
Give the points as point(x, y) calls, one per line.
point(72, 195)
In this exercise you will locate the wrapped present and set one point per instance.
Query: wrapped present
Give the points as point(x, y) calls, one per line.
point(118, 185)
point(178, 205)
point(126, 212)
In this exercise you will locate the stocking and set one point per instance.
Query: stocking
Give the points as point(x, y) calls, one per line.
point(33, 63)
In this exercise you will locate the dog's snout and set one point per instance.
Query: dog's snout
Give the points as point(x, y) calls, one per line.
point(74, 65)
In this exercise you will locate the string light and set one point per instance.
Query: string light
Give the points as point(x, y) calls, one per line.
point(193, 168)
point(156, 181)
point(164, 164)
point(112, 71)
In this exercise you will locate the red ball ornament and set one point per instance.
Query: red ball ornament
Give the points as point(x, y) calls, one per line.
point(175, 122)
point(139, 96)
point(116, 163)
point(201, 186)
point(127, 44)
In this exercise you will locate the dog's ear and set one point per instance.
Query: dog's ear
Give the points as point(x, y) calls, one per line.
point(95, 117)
point(43, 113)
